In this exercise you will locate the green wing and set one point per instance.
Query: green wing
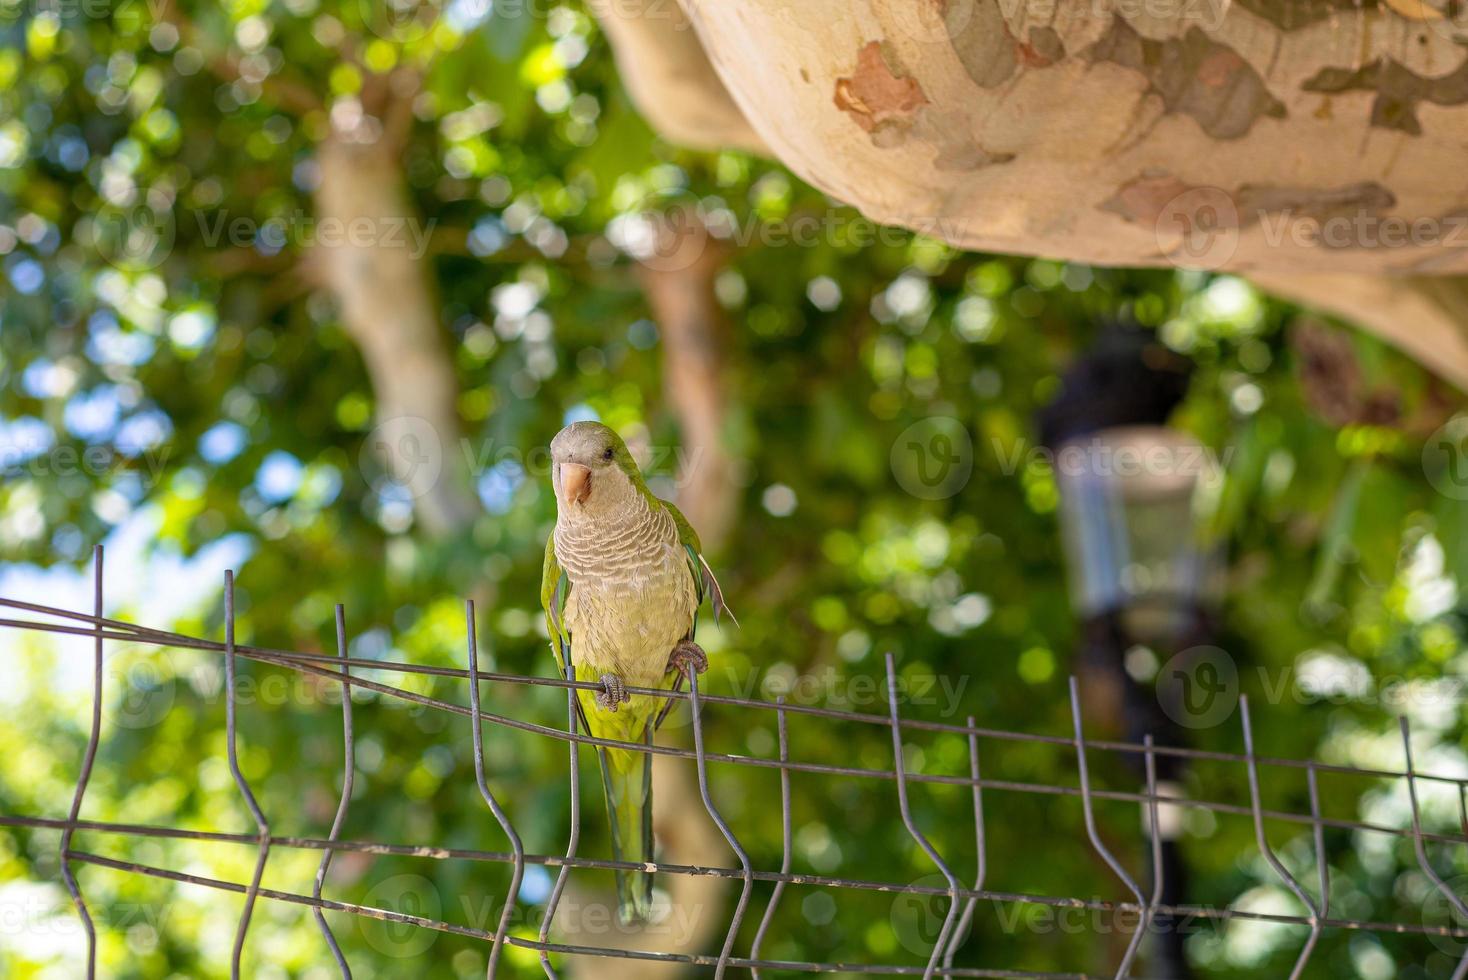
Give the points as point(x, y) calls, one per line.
point(703, 577)
point(555, 586)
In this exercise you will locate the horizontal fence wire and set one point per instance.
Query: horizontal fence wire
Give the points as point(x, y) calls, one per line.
point(962, 898)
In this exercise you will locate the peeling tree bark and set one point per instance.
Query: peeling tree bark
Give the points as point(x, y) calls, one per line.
point(1294, 141)
point(383, 289)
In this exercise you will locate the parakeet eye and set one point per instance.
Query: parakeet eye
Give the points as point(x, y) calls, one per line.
point(608, 453)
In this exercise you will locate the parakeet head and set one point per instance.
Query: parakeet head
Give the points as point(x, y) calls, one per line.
point(593, 473)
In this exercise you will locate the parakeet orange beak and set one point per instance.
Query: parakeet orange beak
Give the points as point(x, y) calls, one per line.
point(575, 483)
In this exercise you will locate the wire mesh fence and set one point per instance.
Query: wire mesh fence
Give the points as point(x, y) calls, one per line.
point(1142, 907)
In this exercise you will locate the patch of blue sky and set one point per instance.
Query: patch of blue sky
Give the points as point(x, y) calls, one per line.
point(70, 151)
point(145, 582)
point(465, 15)
point(536, 886)
point(109, 344)
point(93, 415)
point(487, 237)
point(222, 442)
point(23, 438)
point(27, 276)
point(498, 485)
point(46, 379)
point(580, 412)
point(192, 329)
point(321, 485)
point(279, 477)
point(143, 431)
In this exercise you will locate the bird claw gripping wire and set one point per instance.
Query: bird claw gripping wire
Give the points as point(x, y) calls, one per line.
point(613, 693)
point(688, 656)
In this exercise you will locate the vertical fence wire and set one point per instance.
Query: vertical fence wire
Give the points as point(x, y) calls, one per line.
point(574, 843)
point(349, 772)
point(84, 775)
point(1154, 835)
point(747, 870)
point(1261, 840)
point(1322, 862)
point(518, 874)
point(965, 921)
point(1420, 846)
point(1463, 810)
point(1089, 811)
point(899, 765)
point(785, 838)
point(232, 736)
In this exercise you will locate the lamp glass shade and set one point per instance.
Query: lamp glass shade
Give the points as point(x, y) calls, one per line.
point(1130, 502)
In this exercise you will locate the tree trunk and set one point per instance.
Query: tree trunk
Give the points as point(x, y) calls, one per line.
point(678, 280)
point(696, 920)
point(370, 250)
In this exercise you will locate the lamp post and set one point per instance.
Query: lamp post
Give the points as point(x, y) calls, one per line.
point(1142, 579)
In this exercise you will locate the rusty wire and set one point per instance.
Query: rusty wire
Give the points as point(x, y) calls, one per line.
point(961, 899)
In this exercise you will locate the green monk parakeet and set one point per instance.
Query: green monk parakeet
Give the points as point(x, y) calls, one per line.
point(623, 581)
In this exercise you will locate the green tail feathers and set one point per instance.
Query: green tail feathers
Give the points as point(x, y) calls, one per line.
point(627, 779)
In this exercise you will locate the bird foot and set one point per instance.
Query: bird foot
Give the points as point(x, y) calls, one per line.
point(613, 692)
point(686, 656)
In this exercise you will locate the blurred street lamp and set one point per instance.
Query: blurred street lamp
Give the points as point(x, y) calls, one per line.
point(1128, 498)
point(1143, 578)
point(1142, 572)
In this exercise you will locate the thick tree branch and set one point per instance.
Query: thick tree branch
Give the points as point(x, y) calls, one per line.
point(668, 75)
point(224, 61)
point(1424, 317)
point(1264, 137)
point(382, 284)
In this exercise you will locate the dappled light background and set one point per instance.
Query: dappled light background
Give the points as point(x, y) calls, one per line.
point(179, 380)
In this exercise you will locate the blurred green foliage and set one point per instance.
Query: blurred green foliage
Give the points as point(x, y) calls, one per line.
point(227, 403)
